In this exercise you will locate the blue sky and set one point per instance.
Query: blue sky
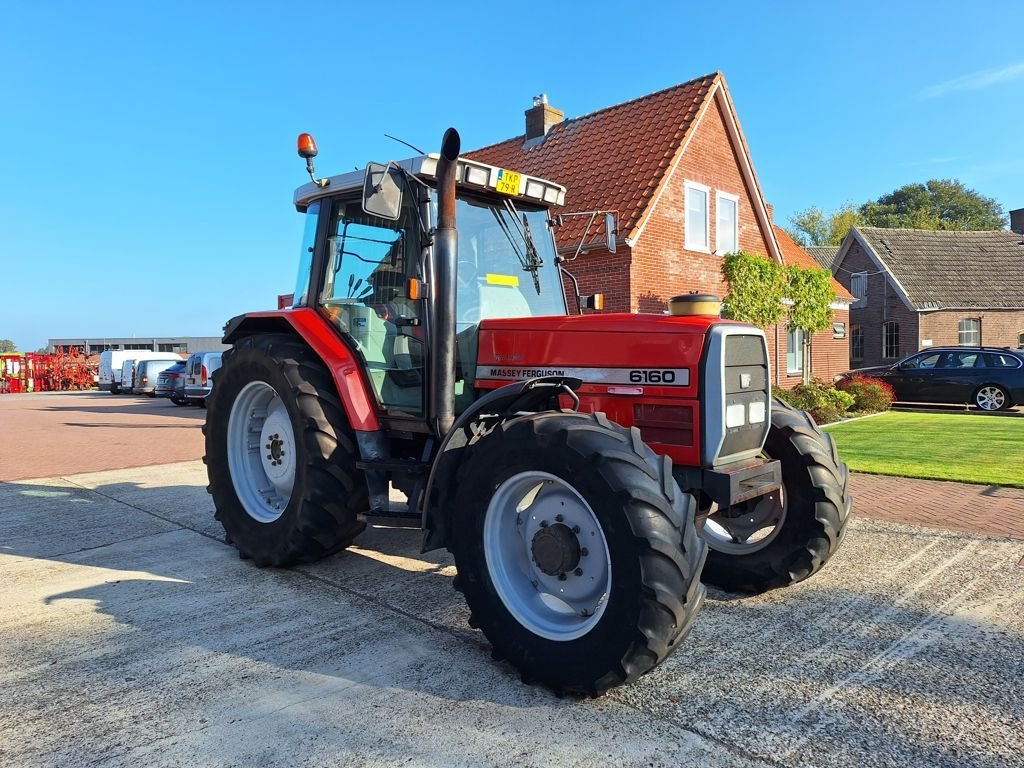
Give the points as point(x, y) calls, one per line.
point(148, 156)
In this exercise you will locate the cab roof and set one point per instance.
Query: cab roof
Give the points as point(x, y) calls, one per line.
point(469, 173)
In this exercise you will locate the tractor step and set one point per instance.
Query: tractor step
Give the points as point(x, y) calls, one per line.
point(395, 465)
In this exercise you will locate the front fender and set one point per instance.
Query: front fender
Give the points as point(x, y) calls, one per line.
point(343, 363)
point(498, 405)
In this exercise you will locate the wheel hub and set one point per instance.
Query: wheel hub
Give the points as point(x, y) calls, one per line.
point(555, 549)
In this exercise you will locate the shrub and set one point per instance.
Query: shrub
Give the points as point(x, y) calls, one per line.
point(820, 399)
point(870, 395)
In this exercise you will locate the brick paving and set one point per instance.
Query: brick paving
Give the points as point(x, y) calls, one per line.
point(63, 433)
point(981, 509)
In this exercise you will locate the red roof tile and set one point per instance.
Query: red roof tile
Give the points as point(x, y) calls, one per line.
point(612, 159)
point(793, 254)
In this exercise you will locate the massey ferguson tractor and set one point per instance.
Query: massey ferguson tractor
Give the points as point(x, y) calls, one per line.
point(586, 471)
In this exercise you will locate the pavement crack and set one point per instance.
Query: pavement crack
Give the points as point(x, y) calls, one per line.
point(100, 546)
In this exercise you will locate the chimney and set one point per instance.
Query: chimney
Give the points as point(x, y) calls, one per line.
point(771, 212)
point(1016, 220)
point(541, 117)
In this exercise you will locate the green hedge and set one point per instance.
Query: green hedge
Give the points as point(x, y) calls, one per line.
point(819, 398)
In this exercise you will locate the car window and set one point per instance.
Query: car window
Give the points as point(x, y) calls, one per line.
point(964, 360)
point(997, 360)
point(928, 360)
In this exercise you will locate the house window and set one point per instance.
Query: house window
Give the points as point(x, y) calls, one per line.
point(890, 340)
point(696, 232)
point(859, 289)
point(970, 332)
point(727, 233)
point(794, 350)
point(856, 343)
point(1020, 339)
point(838, 330)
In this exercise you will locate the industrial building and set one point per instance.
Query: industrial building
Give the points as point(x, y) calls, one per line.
point(181, 344)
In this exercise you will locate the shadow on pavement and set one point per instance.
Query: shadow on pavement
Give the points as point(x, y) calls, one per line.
point(839, 670)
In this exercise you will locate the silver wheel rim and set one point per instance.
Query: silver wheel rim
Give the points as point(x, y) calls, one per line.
point(520, 510)
point(725, 530)
point(261, 451)
point(990, 398)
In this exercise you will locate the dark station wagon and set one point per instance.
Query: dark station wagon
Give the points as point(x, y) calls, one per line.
point(991, 378)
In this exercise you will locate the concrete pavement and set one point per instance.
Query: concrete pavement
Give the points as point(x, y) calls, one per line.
point(131, 635)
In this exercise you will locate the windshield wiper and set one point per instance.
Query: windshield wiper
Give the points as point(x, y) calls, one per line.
point(533, 261)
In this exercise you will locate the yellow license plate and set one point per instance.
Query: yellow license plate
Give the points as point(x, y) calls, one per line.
point(508, 182)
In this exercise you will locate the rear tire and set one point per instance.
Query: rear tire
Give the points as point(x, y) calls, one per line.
point(114, 389)
point(992, 397)
point(328, 494)
point(617, 486)
point(815, 512)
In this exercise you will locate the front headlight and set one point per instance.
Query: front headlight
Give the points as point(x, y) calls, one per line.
point(735, 415)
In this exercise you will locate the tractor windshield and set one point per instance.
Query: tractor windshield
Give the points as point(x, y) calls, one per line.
point(506, 263)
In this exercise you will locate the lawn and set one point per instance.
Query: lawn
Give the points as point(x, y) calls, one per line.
point(966, 448)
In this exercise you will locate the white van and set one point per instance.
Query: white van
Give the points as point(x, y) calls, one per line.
point(112, 363)
point(198, 370)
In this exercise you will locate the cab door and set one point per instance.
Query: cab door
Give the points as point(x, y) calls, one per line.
point(364, 295)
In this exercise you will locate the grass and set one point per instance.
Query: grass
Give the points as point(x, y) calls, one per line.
point(968, 449)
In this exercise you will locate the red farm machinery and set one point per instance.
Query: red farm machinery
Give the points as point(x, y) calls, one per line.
point(590, 473)
point(61, 371)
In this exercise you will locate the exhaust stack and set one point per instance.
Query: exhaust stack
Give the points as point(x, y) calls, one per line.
point(444, 261)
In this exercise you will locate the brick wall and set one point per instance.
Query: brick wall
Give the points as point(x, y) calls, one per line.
point(883, 305)
point(999, 327)
point(829, 355)
point(662, 267)
point(601, 272)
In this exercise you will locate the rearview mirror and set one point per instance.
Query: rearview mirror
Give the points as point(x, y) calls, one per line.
point(610, 232)
point(382, 195)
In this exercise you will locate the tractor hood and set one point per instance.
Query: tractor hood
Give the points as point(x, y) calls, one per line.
point(605, 349)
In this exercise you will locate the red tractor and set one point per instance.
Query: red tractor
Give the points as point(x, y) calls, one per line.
point(579, 467)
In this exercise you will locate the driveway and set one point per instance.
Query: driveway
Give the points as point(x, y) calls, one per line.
point(132, 635)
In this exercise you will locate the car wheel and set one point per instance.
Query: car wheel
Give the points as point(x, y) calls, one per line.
point(991, 397)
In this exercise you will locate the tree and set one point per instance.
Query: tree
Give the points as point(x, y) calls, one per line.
point(6, 345)
point(815, 227)
point(811, 294)
point(936, 204)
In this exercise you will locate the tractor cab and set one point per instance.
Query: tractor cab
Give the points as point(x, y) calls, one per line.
point(367, 266)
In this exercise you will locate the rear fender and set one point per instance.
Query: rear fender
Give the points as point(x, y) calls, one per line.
point(344, 365)
point(532, 396)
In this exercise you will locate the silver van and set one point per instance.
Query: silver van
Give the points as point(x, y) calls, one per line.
point(198, 370)
point(147, 372)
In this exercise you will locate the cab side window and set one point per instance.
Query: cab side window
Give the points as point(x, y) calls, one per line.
point(365, 295)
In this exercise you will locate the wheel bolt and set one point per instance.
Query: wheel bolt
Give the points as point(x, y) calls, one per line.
point(559, 518)
point(584, 612)
point(534, 583)
point(584, 551)
point(578, 571)
point(561, 577)
point(269, 457)
point(543, 523)
point(575, 529)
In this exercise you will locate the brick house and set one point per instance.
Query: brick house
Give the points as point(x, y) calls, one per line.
point(675, 168)
point(918, 288)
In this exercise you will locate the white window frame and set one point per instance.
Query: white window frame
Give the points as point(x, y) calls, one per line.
point(899, 341)
point(687, 242)
point(719, 196)
point(856, 335)
point(975, 332)
point(861, 301)
point(799, 338)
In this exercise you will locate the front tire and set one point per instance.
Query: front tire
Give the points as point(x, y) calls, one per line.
point(576, 551)
point(281, 456)
point(783, 538)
